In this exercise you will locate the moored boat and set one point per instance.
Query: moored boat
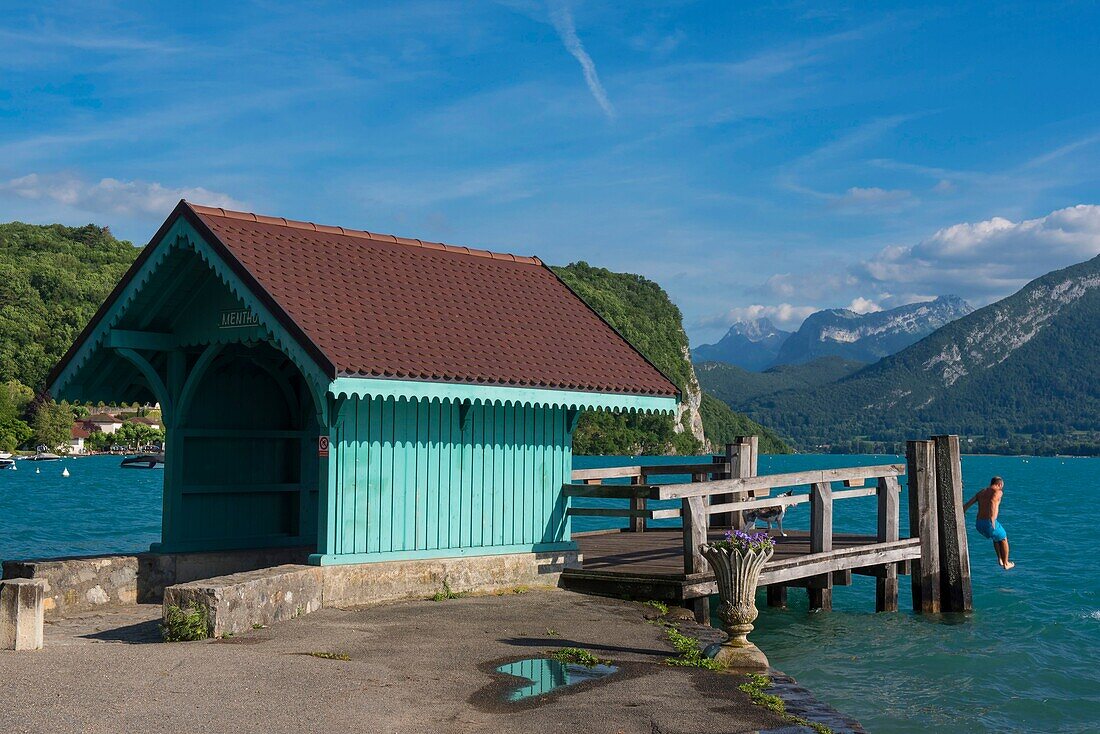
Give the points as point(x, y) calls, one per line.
point(144, 461)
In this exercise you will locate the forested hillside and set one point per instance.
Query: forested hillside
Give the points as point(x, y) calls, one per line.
point(52, 279)
point(642, 312)
point(738, 387)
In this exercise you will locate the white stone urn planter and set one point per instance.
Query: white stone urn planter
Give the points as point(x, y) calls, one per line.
point(737, 571)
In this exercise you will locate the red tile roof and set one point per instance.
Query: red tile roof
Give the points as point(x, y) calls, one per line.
point(79, 430)
point(383, 306)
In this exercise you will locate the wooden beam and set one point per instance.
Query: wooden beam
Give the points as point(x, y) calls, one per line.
point(955, 590)
point(610, 491)
point(610, 472)
point(149, 340)
point(662, 470)
point(825, 564)
point(821, 540)
point(777, 596)
point(921, 457)
point(772, 481)
point(847, 494)
point(605, 512)
point(753, 504)
point(693, 514)
point(886, 586)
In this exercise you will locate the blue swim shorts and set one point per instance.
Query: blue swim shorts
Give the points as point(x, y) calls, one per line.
point(991, 529)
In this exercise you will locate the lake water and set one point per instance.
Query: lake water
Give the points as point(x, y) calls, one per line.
point(1027, 659)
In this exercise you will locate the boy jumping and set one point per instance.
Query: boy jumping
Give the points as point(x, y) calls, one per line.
point(989, 503)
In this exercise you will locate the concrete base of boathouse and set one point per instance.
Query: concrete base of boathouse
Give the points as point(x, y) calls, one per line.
point(413, 666)
point(237, 602)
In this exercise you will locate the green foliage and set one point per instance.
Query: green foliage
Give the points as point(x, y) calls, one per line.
point(690, 651)
point(577, 656)
point(660, 606)
point(757, 687)
point(52, 279)
point(446, 593)
point(15, 398)
point(738, 387)
point(137, 434)
point(52, 424)
point(1042, 397)
point(341, 656)
point(184, 625)
point(642, 312)
point(722, 425)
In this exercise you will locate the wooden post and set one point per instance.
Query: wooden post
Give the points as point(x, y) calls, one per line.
point(886, 586)
point(921, 459)
point(637, 524)
point(742, 459)
point(820, 590)
point(777, 596)
point(731, 458)
point(694, 515)
point(955, 589)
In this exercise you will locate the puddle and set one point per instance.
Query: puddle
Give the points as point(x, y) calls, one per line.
point(549, 675)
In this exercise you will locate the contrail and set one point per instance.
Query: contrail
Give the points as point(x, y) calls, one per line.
point(563, 23)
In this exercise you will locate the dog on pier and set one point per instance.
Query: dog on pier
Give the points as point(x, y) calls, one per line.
point(769, 515)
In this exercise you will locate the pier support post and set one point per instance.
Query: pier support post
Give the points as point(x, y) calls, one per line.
point(637, 522)
point(921, 459)
point(955, 590)
point(22, 608)
point(777, 596)
point(886, 586)
point(741, 455)
point(820, 590)
point(693, 512)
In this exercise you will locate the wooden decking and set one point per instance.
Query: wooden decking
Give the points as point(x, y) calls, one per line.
point(651, 564)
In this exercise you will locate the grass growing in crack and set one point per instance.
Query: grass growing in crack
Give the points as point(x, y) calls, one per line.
point(660, 606)
point(342, 656)
point(258, 626)
point(578, 656)
point(690, 651)
point(446, 593)
point(184, 625)
point(550, 632)
point(757, 687)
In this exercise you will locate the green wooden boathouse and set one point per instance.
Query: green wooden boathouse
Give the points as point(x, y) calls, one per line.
point(371, 397)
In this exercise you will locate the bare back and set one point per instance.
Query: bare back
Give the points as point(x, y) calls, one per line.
point(989, 502)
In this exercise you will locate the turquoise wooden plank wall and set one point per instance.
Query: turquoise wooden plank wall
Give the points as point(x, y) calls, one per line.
point(429, 475)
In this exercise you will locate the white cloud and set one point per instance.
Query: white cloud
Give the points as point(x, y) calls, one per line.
point(860, 304)
point(860, 199)
point(562, 18)
point(110, 195)
point(986, 260)
point(783, 315)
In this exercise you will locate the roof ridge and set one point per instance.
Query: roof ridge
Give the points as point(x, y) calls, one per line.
point(217, 211)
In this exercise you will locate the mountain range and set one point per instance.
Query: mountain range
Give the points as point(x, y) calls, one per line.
point(1020, 375)
point(837, 332)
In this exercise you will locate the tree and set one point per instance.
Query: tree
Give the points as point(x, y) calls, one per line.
point(53, 424)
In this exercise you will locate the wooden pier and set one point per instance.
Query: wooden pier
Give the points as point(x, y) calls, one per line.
point(665, 564)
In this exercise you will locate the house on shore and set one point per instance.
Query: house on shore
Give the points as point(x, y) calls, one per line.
point(371, 397)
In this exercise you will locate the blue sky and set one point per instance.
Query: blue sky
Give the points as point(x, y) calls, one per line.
point(752, 158)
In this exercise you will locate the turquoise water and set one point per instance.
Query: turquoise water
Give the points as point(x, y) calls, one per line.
point(99, 508)
point(1028, 658)
point(545, 676)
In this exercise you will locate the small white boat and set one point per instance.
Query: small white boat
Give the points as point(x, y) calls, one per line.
point(7, 463)
point(44, 456)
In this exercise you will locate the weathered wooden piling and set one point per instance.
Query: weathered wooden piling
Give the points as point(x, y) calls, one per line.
point(820, 589)
point(693, 513)
point(777, 596)
point(921, 459)
point(886, 585)
point(954, 554)
point(741, 457)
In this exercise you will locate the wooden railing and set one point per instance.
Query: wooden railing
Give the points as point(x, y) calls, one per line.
point(719, 493)
point(721, 490)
